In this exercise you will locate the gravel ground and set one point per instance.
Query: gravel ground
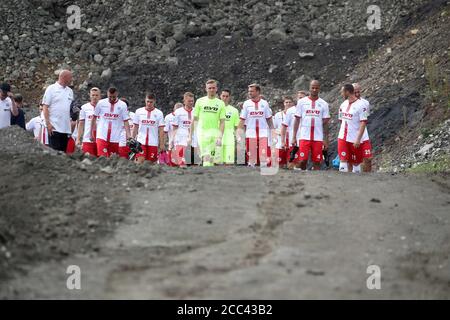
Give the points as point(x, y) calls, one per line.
point(231, 233)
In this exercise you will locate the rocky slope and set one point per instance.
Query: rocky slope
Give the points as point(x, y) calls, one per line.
point(169, 47)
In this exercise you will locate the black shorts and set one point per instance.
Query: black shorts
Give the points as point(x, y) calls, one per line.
point(58, 141)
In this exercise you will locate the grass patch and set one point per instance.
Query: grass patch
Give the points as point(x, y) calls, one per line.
point(438, 166)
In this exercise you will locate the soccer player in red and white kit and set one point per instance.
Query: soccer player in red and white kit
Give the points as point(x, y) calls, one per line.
point(366, 146)
point(256, 115)
point(312, 117)
point(149, 130)
point(353, 117)
point(112, 114)
point(168, 130)
point(278, 120)
point(84, 139)
point(182, 135)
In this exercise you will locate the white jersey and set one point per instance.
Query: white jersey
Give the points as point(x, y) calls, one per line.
point(278, 120)
point(123, 133)
point(149, 123)
point(5, 112)
point(312, 113)
point(110, 119)
point(34, 125)
point(86, 115)
point(168, 126)
point(366, 132)
point(256, 114)
point(183, 121)
point(288, 122)
point(351, 115)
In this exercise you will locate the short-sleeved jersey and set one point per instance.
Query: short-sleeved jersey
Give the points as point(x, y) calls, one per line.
point(231, 123)
point(209, 113)
point(149, 122)
point(5, 112)
point(312, 113)
point(255, 114)
point(182, 122)
point(34, 125)
point(86, 115)
point(368, 107)
point(351, 115)
point(110, 119)
point(59, 100)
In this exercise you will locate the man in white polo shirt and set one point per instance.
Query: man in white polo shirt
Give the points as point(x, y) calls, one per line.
point(7, 106)
point(57, 103)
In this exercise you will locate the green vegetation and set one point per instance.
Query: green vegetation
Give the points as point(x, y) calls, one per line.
point(438, 166)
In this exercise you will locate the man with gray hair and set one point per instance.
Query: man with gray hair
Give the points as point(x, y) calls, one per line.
point(57, 103)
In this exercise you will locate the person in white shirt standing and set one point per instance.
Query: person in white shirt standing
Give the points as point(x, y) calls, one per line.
point(109, 116)
point(366, 145)
point(168, 130)
point(353, 117)
point(84, 138)
point(57, 102)
point(182, 134)
point(8, 106)
point(149, 130)
point(279, 119)
point(256, 115)
point(312, 117)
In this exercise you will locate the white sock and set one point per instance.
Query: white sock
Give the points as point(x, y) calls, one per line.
point(357, 169)
point(343, 167)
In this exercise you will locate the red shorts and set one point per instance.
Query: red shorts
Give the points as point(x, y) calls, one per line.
point(366, 147)
point(171, 155)
point(90, 148)
point(150, 153)
point(315, 147)
point(258, 151)
point(348, 152)
point(124, 152)
point(179, 155)
point(283, 156)
point(106, 149)
point(70, 146)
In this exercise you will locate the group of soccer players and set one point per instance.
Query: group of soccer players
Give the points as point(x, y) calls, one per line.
point(218, 133)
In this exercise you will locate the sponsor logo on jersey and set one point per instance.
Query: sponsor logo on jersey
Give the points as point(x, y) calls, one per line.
point(347, 115)
point(311, 112)
point(256, 113)
point(148, 122)
point(211, 109)
point(111, 115)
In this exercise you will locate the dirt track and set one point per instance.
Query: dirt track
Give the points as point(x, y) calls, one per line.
point(231, 233)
